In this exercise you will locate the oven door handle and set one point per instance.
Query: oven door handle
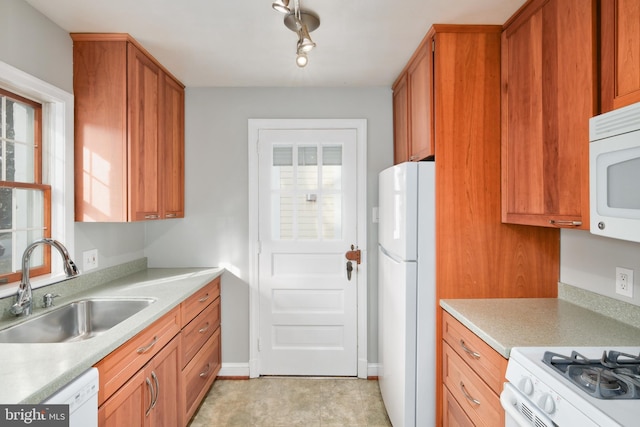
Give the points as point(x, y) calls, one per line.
point(509, 401)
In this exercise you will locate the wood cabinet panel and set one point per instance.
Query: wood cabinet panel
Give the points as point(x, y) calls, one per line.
point(452, 413)
point(199, 330)
point(197, 302)
point(120, 365)
point(172, 140)
point(144, 144)
point(420, 102)
point(480, 357)
point(478, 256)
point(548, 95)
point(401, 121)
point(473, 395)
point(148, 398)
point(200, 373)
point(620, 53)
point(129, 132)
point(413, 107)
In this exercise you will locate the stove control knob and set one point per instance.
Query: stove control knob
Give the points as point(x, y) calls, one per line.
point(547, 404)
point(526, 386)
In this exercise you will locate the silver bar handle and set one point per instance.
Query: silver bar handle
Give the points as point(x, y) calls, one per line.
point(204, 298)
point(151, 394)
point(204, 328)
point(565, 222)
point(152, 216)
point(205, 373)
point(148, 346)
point(467, 395)
point(155, 380)
point(467, 350)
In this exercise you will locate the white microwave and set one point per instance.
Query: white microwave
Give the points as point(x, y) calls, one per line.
point(614, 173)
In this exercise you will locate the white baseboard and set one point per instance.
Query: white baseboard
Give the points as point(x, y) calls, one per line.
point(242, 370)
point(234, 370)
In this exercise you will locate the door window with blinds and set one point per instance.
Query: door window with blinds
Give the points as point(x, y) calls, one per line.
point(24, 199)
point(306, 194)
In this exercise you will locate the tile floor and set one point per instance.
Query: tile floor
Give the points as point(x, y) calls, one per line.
point(284, 402)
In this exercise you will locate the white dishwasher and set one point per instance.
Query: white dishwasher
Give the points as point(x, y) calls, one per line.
point(81, 395)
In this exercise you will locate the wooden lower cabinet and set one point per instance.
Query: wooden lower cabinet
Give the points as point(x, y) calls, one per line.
point(452, 414)
point(472, 375)
point(199, 375)
point(149, 397)
point(201, 346)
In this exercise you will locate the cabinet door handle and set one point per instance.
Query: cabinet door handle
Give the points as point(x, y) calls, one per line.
point(204, 328)
point(151, 394)
point(467, 350)
point(205, 373)
point(565, 222)
point(170, 215)
point(204, 298)
point(152, 216)
point(148, 346)
point(467, 395)
point(155, 380)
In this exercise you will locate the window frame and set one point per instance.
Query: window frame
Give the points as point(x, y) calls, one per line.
point(37, 184)
point(57, 160)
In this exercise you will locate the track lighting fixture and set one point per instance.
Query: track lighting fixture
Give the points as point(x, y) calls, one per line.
point(302, 22)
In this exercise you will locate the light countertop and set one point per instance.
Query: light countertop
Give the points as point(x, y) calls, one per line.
point(538, 322)
point(31, 372)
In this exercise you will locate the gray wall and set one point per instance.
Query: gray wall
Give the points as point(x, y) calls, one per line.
point(589, 262)
point(215, 230)
point(32, 43)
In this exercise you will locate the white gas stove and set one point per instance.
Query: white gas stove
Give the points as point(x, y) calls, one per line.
point(566, 387)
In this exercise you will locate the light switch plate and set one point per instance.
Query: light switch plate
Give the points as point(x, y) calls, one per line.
point(89, 259)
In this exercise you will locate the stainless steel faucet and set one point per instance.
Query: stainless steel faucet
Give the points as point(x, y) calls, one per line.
point(23, 304)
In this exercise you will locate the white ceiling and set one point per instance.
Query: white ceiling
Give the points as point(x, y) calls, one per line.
point(245, 43)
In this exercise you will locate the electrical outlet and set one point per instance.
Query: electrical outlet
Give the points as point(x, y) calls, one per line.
point(624, 282)
point(89, 259)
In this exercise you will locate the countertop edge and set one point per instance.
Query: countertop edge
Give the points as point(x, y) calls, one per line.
point(72, 366)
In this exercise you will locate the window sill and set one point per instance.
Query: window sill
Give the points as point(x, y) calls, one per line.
point(10, 289)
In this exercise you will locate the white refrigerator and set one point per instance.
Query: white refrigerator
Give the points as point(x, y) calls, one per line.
point(406, 293)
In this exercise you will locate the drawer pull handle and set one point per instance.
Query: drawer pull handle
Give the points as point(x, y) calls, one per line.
point(205, 373)
point(151, 395)
point(467, 395)
point(155, 380)
point(148, 346)
point(204, 329)
point(204, 298)
point(470, 352)
point(565, 222)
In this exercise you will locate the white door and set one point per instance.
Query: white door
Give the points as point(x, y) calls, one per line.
point(308, 221)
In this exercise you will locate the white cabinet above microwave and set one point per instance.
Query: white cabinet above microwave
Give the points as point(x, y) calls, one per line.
point(614, 173)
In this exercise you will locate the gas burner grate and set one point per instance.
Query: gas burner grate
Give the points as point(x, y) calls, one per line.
point(615, 375)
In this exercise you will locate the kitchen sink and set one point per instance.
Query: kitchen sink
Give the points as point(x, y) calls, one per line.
point(76, 321)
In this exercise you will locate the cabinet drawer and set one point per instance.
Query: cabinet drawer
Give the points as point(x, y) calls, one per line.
point(452, 413)
point(197, 302)
point(120, 365)
point(488, 363)
point(200, 374)
point(475, 397)
point(199, 330)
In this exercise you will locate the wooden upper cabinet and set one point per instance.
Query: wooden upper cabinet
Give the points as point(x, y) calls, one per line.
point(400, 121)
point(173, 149)
point(620, 53)
point(129, 132)
point(548, 95)
point(412, 107)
